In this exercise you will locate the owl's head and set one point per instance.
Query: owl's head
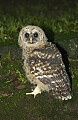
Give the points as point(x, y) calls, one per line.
point(32, 37)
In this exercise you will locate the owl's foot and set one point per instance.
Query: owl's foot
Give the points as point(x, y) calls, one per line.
point(35, 92)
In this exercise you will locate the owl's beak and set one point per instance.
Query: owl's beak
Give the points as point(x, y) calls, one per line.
point(31, 40)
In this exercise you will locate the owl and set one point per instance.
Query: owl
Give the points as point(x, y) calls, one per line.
point(43, 64)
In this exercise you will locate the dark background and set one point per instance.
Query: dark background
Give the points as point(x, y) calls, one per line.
point(51, 5)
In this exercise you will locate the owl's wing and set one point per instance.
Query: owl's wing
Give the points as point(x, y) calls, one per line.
point(46, 65)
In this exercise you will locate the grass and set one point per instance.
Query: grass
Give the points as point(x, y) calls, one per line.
point(64, 22)
point(61, 27)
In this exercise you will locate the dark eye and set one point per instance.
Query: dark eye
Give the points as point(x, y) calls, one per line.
point(26, 35)
point(35, 34)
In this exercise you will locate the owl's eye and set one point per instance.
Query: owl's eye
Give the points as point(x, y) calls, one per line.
point(35, 34)
point(26, 35)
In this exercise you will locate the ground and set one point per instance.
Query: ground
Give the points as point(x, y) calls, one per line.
point(60, 22)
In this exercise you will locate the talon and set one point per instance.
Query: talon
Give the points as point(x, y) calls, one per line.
point(35, 92)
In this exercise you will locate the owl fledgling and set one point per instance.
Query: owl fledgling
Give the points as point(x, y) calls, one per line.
point(43, 63)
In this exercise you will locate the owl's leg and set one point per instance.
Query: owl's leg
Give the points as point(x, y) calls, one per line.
point(35, 92)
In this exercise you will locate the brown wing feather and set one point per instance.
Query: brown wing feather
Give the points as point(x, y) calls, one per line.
point(47, 66)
